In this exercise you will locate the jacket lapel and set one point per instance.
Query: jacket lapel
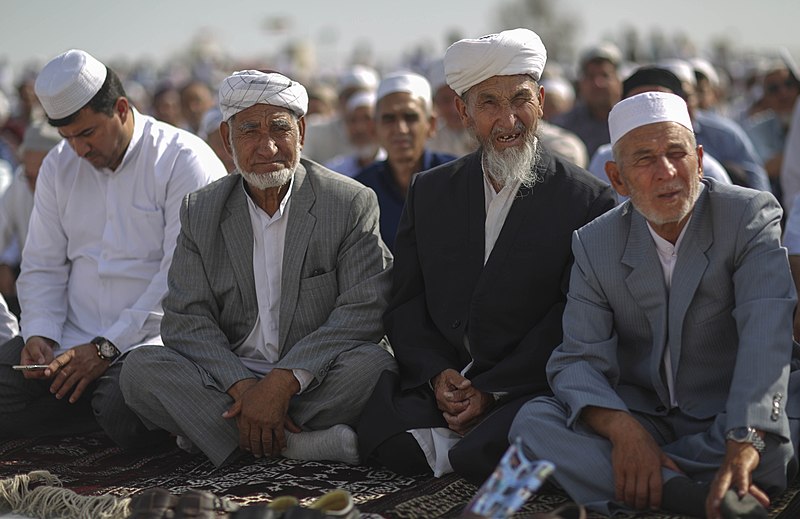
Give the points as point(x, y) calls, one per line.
point(298, 234)
point(689, 269)
point(646, 284)
point(237, 232)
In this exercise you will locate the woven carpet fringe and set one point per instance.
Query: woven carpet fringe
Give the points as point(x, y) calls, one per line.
point(40, 494)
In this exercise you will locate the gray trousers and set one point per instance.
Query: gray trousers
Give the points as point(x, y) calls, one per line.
point(28, 409)
point(171, 392)
point(583, 458)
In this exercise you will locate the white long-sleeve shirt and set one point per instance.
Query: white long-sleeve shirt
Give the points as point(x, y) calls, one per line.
point(100, 242)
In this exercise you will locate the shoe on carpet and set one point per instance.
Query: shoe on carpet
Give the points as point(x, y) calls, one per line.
point(274, 510)
point(153, 503)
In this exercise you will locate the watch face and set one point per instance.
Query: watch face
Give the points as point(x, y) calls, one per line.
point(107, 350)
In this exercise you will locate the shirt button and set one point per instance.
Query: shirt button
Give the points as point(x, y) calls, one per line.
point(455, 324)
point(660, 409)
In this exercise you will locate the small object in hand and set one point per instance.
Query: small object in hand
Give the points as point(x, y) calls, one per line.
point(28, 367)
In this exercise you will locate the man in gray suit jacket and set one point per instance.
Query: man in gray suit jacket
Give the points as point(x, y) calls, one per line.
point(673, 376)
point(275, 298)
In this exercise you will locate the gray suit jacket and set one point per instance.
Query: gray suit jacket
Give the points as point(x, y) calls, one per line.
point(727, 319)
point(334, 286)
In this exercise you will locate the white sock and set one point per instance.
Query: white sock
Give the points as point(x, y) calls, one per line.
point(338, 443)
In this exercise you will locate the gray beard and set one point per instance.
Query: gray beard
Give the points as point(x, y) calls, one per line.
point(513, 164)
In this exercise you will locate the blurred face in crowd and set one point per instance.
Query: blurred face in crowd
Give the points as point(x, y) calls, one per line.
point(780, 91)
point(360, 124)
point(599, 86)
point(196, 100)
point(167, 107)
point(503, 113)
point(444, 99)
point(31, 162)
point(659, 166)
point(403, 125)
point(265, 142)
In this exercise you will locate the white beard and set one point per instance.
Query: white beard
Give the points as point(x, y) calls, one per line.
point(269, 180)
point(512, 164)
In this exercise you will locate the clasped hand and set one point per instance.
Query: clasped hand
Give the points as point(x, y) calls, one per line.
point(462, 405)
point(71, 372)
point(261, 411)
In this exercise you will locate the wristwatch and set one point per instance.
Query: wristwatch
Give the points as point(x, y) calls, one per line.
point(747, 435)
point(105, 348)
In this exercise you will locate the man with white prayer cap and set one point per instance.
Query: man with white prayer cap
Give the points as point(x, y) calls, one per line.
point(672, 386)
point(273, 317)
point(327, 137)
point(481, 269)
point(404, 122)
point(99, 244)
point(359, 120)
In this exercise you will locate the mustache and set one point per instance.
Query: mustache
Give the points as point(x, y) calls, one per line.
point(519, 127)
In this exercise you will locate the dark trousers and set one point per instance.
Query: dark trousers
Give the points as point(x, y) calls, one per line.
point(28, 409)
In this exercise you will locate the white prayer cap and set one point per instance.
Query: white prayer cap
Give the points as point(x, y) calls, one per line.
point(68, 82)
point(407, 82)
point(360, 77)
point(246, 88)
point(359, 99)
point(704, 67)
point(681, 68)
point(210, 122)
point(560, 86)
point(39, 136)
point(647, 108)
point(468, 62)
point(603, 50)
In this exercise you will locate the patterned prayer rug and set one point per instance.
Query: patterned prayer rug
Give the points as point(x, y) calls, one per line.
point(91, 465)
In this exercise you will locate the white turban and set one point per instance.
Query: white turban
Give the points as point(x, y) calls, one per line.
point(406, 82)
point(647, 108)
point(518, 51)
point(68, 82)
point(246, 88)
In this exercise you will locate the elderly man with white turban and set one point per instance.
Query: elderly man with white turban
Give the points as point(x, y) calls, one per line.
point(481, 269)
point(672, 385)
point(99, 244)
point(278, 284)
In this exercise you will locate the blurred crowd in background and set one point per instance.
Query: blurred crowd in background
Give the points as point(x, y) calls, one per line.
point(747, 94)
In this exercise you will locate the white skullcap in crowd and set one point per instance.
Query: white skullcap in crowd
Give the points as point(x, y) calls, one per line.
point(647, 108)
point(407, 82)
point(359, 99)
point(68, 82)
point(681, 68)
point(359, 77)
point(39, 136)
point(210, 122)
point(246, 88)
point(560, 86)
point(470, 61)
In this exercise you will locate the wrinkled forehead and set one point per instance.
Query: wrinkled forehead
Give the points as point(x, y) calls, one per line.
point(655, 135)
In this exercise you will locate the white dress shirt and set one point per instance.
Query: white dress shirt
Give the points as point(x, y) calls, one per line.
point(100, 242)
point(261, 350)
point(668, 256)
point(436, 442)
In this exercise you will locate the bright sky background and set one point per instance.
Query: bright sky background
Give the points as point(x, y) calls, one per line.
point(157, 29)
